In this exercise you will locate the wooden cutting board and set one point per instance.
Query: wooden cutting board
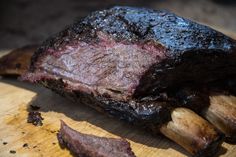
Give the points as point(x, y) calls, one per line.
point(15, 98)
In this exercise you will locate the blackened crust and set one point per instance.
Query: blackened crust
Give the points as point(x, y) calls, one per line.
point(149, 114)
point(130, 24)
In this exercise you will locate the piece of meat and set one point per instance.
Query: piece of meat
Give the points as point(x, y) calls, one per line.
point(129, 63)
point(35, 118)
point(104, 38)
point(123, 54)
point(17, 61)
point(84, 145)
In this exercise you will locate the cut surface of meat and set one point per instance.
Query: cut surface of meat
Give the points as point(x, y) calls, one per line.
point(108, 68)
point(85, 145)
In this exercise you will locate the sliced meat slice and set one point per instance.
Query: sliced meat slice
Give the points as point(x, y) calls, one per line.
point(85, 145)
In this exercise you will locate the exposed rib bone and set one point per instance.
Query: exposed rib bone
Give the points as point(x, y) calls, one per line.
point(192, 132)
point(222, 114)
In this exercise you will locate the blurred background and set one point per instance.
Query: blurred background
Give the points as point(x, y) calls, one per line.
point(32, 21)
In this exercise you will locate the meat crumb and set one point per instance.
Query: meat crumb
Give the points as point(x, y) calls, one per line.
point(12, 151)
point(35, 118)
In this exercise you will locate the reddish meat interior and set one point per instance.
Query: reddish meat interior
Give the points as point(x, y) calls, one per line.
point(104, 68)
